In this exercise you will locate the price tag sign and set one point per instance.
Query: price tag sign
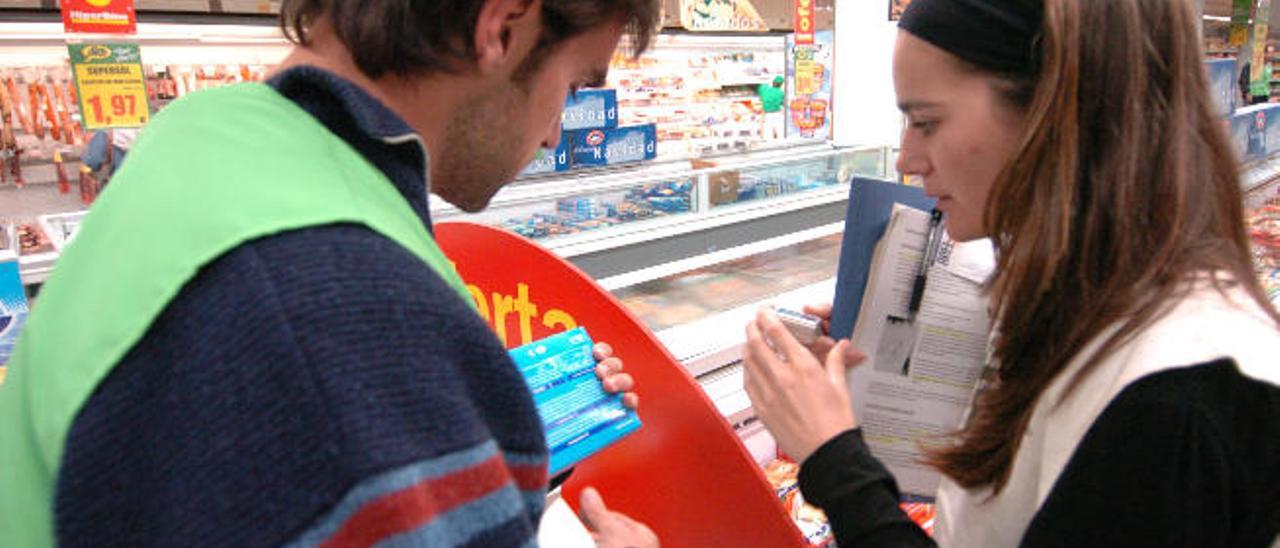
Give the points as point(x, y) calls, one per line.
point(110, 84)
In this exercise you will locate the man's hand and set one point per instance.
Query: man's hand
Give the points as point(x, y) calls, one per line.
point(609, 369)
point(611, 529)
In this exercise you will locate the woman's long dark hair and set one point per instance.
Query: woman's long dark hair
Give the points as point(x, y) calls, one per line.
point(1123, 188)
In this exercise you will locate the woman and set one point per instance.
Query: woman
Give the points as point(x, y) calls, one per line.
point(1136, 398)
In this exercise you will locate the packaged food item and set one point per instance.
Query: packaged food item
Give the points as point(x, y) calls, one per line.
point(783, 476)
point(32, 240)
point(13, 307)
point(590, 109)
point(608, 147)
point(579, 417)
point(806, 328)
point(922, 513)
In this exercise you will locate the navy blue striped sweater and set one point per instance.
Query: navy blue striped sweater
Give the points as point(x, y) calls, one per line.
point(317, 387)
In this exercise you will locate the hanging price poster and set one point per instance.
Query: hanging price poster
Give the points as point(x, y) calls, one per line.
point(110, 85)
point(99, 16)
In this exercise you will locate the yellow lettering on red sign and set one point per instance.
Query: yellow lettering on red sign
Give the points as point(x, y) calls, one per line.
point(803, 21)
point(498, 309)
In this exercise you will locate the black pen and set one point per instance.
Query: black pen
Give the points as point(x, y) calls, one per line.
point(926, 260)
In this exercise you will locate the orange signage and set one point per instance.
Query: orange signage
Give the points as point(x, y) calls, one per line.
point(804, 22)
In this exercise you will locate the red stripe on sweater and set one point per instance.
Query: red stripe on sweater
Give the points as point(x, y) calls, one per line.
point(410, 508)
point(529, 477)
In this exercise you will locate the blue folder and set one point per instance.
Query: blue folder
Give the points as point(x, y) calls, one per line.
point(870, 206)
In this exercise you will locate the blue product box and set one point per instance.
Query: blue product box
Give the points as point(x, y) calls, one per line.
point(13, 306)
point(578, 416)
point(608, 147)
point(549, 161)
point(1271, 143)
point(590, 109)
point(1222, 84)
point(1240, 125)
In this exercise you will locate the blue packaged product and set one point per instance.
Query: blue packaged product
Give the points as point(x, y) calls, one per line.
point(578, 416)
point(549, 161)
point(13, 306)
point(1222, 84)
point(608, 147)
point(590, 109)
point(1240, 125)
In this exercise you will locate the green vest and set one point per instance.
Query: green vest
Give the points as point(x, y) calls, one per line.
point(211, 172)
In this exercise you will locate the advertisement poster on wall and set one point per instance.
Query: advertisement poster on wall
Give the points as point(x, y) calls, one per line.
point(809, 86)
point(896, 7)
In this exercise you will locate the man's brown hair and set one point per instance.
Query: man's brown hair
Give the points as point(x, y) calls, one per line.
point(418, 37)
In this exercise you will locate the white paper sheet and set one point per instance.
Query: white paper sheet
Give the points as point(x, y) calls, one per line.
point(920, 374)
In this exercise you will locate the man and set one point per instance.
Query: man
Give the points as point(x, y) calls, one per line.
point(255, 340)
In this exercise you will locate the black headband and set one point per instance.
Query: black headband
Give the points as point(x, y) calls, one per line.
point(997, 35)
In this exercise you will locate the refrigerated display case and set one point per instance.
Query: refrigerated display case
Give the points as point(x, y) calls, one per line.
point(625, 226)
point(708, 190)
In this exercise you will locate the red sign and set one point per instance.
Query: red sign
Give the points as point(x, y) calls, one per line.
point(685, 446)
point(99, 16)
point(804, 22)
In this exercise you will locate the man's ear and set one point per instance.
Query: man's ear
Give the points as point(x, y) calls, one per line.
point(505, 31)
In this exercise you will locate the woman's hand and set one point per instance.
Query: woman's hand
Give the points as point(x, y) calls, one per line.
point(825, 343)
point(609, 369)
point(802, 401)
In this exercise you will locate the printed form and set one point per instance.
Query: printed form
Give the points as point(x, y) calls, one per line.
point(918, 381)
